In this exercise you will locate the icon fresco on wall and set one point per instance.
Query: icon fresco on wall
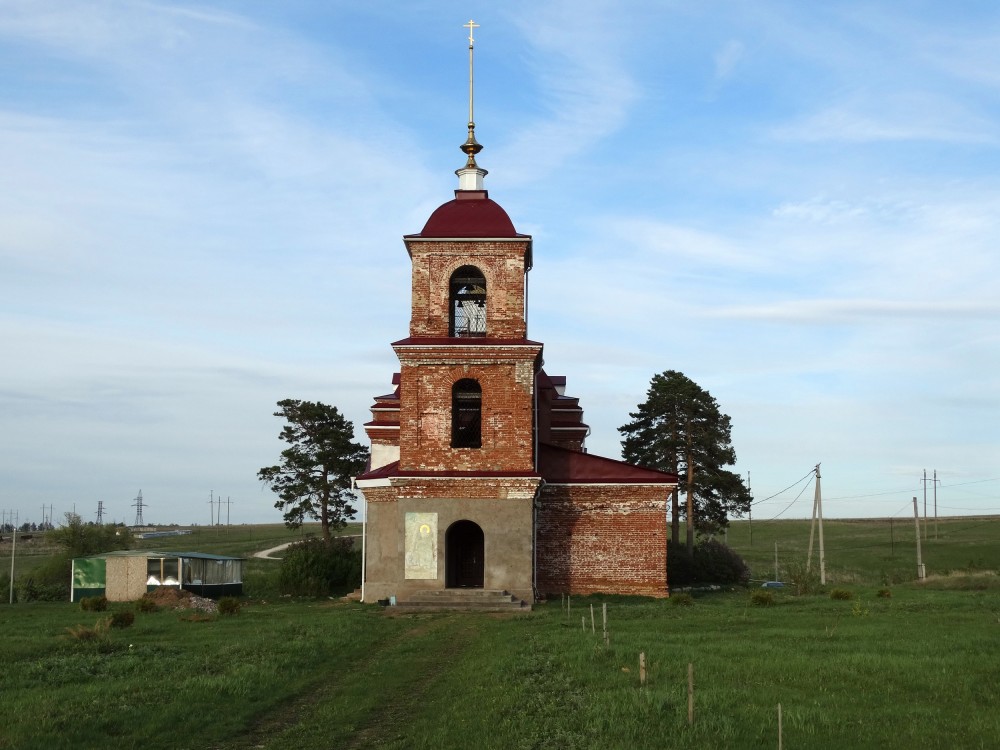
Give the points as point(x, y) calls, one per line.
point(421, 546)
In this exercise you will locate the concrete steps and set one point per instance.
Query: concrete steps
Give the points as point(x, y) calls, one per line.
point(460, 600)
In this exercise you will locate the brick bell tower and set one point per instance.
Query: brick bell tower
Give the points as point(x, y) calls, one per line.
point(453, 478)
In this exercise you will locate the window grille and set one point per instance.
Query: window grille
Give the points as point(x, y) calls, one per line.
point(468, 302)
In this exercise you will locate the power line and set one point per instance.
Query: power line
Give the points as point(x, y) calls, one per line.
point(796, 497)
point(758, 502)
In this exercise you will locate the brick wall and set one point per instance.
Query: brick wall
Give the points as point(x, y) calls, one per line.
point(603, 538)
point(503, 266)
point(505, 374)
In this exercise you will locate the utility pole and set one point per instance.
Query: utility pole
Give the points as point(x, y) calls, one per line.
point(935, 504)
point(817, 514)
point(211, 508)
point(750, 511)
point(921, 572)
point(924, 480)
point(13, 550)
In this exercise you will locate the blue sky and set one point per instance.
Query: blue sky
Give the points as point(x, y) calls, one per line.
point(795, 204)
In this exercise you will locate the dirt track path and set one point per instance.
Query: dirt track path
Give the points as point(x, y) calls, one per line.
point(268, 554)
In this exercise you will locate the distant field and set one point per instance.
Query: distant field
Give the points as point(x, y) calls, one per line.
point(237, 541)
point(871, 551)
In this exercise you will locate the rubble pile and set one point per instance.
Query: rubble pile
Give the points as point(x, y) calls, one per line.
point(175, 598)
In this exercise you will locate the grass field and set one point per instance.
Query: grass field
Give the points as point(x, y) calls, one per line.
point(919, 669)
point(871, 551)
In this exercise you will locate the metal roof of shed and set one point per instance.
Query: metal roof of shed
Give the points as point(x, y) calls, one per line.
point(157, 554)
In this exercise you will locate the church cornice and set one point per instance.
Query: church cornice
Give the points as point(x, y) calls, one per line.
point(518, 238)
point(471, 342)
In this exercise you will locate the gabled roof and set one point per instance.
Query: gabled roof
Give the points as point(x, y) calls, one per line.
point(562, 466)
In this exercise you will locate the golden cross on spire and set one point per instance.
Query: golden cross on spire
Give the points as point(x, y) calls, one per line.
point(470, 177)
point(470, 26)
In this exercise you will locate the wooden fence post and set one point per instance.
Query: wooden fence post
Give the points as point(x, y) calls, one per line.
point(690, 693)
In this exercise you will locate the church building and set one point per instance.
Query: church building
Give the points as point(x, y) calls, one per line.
point(479, 478)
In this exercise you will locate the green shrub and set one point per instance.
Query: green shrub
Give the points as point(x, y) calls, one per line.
point(261, 579)
point(802, 581)
point(712, 562)
point(122, 619)
point(146, 604)
point(94, 603)
point(841, 594)
point(229, 605)
point(38, 590)
point(683, 599)
point(762, 598)
point(884, 594)
point(315, 568)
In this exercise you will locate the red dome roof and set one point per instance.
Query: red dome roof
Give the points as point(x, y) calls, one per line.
point(471, 214)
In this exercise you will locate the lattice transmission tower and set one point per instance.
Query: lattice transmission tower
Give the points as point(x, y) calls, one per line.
point(138, 505)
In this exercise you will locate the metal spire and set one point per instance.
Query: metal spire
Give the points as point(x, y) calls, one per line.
point(470, 177)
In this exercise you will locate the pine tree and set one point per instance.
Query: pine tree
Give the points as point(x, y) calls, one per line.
point(680, 429)
point(316, 472)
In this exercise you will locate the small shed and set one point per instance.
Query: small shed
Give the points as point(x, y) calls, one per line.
point(128, 574)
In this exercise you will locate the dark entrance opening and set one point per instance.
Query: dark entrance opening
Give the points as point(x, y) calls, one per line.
point(464, 546)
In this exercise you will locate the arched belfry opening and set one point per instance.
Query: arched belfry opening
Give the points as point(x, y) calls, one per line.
point(466, 414)
point(464, 547)
point(467, 302)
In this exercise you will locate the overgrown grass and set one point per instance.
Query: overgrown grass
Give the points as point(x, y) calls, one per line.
point(919, 669)
point(870, 551)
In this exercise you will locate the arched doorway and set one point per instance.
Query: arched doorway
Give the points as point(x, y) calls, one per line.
point(464, 547)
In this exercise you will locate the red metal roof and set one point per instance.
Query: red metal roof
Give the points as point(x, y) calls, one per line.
point(562, 466)
point(392, 471)
point(556, 465)
point(471, 214)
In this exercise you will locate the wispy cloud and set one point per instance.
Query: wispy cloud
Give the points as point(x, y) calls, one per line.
point(832, 311)
point(728, 58)
point(914, 118)
point(586, 88)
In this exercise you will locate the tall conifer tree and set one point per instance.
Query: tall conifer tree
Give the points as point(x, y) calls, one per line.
point(680, 429)
point(316, 472)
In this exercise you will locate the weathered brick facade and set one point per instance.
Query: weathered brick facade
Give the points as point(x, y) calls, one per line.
point(602, 538)
point(506, 375)
point(503, 263)
point(532, 512)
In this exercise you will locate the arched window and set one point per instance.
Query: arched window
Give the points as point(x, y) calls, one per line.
point(466, 414)
point(467, 302)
